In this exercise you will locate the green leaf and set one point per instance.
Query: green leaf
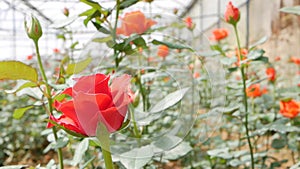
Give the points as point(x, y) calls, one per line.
point(93, 4)
point(235, 162)
point(167, 142)
point(87, 163)
point(137, 40)
point(179, 151)
point(63, 23)
point(253, 55)
point(74, 45)
point(263, 59)
point(277, 164)
point(137, 157)
point(100, 28)
point(228, 61)
point(208, 53)
point(127, 3)
point(23, 86)
point(123, 47)
point(61, 36)
point(80, 151)
point(259, 42)
point(103, 40)
point(220, 153)
point(78, 67)
point(168, 101)
point(292, 10)
point(277, 127)
point(171, 45)
point(18, 113)
point(278, 143)
point(88, 12)
point(15, 70)
point(61, 142)
point(217, 48)
point(140, 42)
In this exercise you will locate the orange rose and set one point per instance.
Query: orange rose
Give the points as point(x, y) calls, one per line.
point(196, 75)
point(232, 14)
point(219, 34)
point(295, 60)
point(289, 109)
point(255, 91)
point(134, 22)
point(163, 51)
point(271, 73)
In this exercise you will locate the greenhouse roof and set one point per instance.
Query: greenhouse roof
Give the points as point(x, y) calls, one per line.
point(14, 43)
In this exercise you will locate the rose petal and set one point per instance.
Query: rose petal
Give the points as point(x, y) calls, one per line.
point(67, 123)
point(68, 91)
point(87, 108)
point(113, 118)
point(67, 108)
point(92, 84)
point(119, 87)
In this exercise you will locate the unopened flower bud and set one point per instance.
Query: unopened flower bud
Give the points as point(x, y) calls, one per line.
point(232, 14)
point(66, 12)
point(33, 29)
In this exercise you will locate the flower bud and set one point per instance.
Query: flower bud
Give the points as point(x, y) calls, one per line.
point(232, 14)
point(33, 29)
point(66, 12)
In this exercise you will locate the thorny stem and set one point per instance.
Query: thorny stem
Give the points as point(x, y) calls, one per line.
point(245, 100)
point(59, 151)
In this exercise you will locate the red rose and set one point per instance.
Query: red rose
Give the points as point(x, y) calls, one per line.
point(232, 14)
point(134, 22)
point(93, 101)
point(219, 34)
point(289, 109)
point(271, 73)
